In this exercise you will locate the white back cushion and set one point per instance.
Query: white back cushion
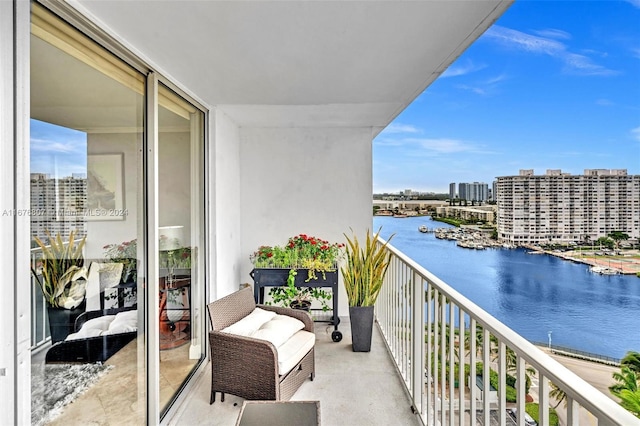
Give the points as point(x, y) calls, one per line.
point(251, 323)
point(279, 329)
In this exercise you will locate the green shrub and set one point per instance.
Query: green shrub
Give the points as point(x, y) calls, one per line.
point(511, 394)
point(532, 409)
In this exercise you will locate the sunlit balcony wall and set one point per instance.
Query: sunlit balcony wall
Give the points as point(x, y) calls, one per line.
point(430, 329)
point(314, 181)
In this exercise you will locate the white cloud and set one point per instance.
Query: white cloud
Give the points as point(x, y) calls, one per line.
point(524, 41)
point(635, 3)
point(553, 33)
point(635, 133)
point(395, 128)
point(484, 88)
point(584, 65)
point(444, 146)
point(46, 145)
point(458, 69)
point(573, 62)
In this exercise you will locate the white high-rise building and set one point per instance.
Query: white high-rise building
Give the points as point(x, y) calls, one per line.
point(452, 191)
point(476, 191)
point(58, 205)
point(559, 207)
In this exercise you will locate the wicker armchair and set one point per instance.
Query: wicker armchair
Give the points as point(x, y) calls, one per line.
point(248, 367)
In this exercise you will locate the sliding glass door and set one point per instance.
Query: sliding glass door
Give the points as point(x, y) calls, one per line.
point(115, 328)
point(181, 239)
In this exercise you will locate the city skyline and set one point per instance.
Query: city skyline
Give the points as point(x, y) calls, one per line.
point(551, 85)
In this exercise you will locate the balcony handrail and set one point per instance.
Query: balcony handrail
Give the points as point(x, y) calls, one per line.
point(604, 408)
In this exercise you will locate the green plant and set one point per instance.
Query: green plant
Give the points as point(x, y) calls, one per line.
point(290, 295)
point(125, 253)
point(61, 264)
point(300, 252)
point(511, 394)
point(365, 269)
point(178, 258)
point(532, 408)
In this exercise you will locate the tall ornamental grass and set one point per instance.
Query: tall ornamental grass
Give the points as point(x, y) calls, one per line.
point(365, 269)
point(59, 264)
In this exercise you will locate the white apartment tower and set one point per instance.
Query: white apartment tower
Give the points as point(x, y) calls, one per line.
point(58, 205)
point(476, 191)
point(452, 191)
point(560, 208)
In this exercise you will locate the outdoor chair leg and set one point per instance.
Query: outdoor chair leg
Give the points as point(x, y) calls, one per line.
point(212, 399)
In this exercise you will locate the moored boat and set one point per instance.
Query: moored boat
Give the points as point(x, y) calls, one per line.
point(603, 270)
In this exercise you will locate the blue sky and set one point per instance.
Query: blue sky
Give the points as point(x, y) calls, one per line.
point(551, 85)
point(57, 151)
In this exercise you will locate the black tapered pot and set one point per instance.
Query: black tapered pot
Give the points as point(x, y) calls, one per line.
point(62, 321)
point(361, 318)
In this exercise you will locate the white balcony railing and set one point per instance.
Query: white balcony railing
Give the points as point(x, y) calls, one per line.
point(39, 319)
point(422, 318)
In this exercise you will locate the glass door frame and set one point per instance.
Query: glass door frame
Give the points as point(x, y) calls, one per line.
point(148, 186)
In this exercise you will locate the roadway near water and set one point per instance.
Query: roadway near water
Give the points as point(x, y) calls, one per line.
point(532, 294)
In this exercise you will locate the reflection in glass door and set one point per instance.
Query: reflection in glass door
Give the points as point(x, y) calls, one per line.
point(86, 170)
point(180, 245)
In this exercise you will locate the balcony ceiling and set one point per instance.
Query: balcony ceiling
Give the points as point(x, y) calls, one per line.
point(300, 63)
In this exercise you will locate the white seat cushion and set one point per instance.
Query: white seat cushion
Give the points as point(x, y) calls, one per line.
point(93, 327)
point(122, 322)
point(293, 350)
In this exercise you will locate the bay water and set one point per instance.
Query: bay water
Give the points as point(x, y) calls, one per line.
point(531, 294)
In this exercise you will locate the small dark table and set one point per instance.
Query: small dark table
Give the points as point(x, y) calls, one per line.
point(279, 413)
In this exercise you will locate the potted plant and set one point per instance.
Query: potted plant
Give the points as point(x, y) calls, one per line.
point(62, 277)
point(125, 253)
point(363, 275)
point(297, 271)
point(298, 297)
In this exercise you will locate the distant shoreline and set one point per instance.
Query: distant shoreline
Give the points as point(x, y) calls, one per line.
point(628, 265)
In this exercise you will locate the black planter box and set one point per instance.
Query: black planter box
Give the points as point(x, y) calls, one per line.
point(273, 277)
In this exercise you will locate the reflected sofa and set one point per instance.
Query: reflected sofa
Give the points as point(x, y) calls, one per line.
point(98, 335)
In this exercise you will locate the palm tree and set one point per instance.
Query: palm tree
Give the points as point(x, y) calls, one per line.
point(626, 379)
point(630, 401)
point(631, 360)
point(511, 358)
point(558, 394)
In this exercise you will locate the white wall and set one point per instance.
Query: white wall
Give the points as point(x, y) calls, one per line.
point(101, 233)
point(174, 181)
point(315, 181)
point(224, 233)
